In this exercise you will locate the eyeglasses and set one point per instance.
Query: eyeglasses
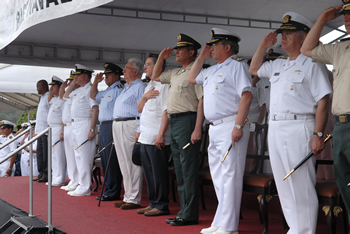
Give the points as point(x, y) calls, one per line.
point(148, 64)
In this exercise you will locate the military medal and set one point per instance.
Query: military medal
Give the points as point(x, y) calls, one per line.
point(216, 87)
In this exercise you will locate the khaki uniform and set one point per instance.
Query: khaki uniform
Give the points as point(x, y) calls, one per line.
point(182, 107)
point(338, 55)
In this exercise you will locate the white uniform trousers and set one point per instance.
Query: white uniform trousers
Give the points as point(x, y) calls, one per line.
point(70, 157)
point(58, 157)
point(290, 142)
point(25, 164)
point(124, 141)
point(84, 155)
point(227, 176)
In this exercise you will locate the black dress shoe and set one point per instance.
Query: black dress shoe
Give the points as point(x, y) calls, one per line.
point(107, 198)
point(42, 179)
point(168, 221)
point(36, 179)
point(181, 222)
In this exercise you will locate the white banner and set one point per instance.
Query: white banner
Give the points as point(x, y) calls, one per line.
point(18, 15)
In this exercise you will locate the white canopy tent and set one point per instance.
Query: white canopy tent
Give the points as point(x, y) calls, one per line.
point(120, 30)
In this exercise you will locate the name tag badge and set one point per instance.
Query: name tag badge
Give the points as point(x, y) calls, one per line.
point(220, 75)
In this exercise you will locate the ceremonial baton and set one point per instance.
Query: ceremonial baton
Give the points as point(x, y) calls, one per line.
point(55, 143)
point(187, 145)
point(85, 142)
point(329, 136)
point(229, 148)
point(105, 147)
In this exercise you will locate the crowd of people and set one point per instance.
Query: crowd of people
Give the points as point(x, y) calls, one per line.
point(165, 114)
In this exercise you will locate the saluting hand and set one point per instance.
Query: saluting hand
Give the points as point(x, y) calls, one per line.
point(269, 40)
point(206, 52)
point(65, 84)
point(98, 78)
point(166, 53)
point(330, 13)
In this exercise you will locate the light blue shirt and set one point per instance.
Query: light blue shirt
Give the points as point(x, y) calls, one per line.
point(125, 104)
point(107, 99)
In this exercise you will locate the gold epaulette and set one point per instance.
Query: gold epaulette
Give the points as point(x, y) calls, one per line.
point(237, 58)
point(120, 86)
point(282, 57)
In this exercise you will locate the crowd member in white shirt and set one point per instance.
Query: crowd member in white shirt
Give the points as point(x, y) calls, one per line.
point(7, 168)
point(84, 112)
point(41, 125)
point(25, 160)
point(67, 137)
point(54, 120)
point(155, 142)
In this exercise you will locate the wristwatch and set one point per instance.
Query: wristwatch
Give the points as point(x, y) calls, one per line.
point(238, 126)
point(92, 130)
point(320, 134)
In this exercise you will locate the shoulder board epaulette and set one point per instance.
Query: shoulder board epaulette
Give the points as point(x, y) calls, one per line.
point(345, 39)
point(282, 57)
point(10, 137)
point(120, 86)
point(237, 58)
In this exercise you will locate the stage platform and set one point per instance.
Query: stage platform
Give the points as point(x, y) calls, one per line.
point(76, 215)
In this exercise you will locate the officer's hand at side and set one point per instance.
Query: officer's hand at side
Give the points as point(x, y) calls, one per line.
point(206, 52)
point(269, 40)
point(159, 141)
point(91, 136)
point(137, 135)
point(196, 136)
point(151, 94)
point(317, 144)
point(61, 137)
point(236, 135)
point(166, 53)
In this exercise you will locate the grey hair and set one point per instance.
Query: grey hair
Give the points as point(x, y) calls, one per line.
point(234, 46)
point(137, 65)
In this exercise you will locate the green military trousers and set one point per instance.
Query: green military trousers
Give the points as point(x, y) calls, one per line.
point(186, 162)
point(341, 154)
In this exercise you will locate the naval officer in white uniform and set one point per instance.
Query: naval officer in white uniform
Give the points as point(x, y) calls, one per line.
point(298, 114)
point(84, 114)
point(54, 120)
point(7, 168)
point(227, 97)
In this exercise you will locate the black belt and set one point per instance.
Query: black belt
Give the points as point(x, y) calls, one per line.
point(177, 115)
point(126, 119)
point(106, 122)
point(342, 118)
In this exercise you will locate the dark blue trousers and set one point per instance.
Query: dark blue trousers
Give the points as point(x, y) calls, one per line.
point(113, 180)
point(155, 169)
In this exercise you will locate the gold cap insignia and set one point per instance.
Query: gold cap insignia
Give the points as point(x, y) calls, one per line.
point(346, 0)
point(106, 65)
point(75, 67)
point(212, 33)
point(178, 37)
point(270, 51)
point(1, 123)
point(286, 19)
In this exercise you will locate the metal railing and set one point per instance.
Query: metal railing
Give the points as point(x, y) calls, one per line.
point(49, 141)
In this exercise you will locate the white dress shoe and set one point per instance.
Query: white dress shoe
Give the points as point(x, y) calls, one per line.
point(70, 188)
point(55, 184)
point(209, 230)
point(78, 193)
point(224, 232)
